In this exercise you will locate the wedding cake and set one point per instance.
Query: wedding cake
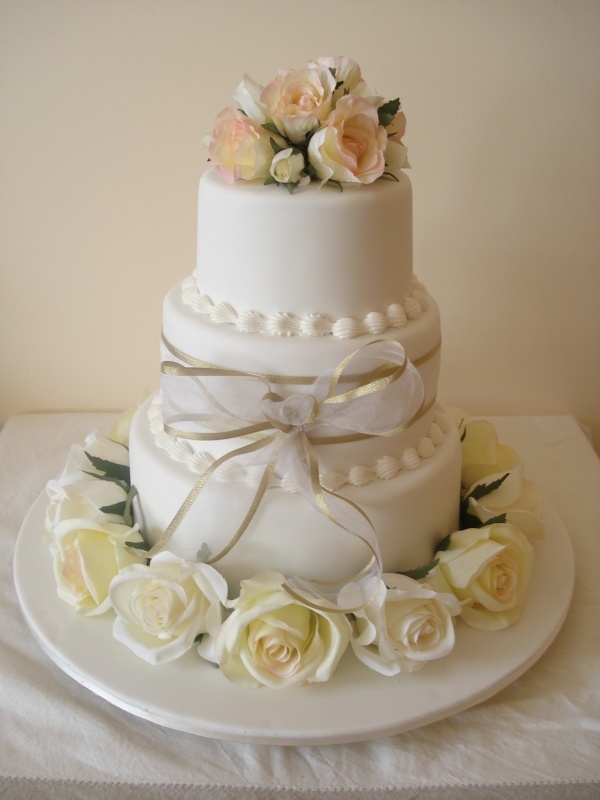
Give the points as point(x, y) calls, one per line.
point(295, 487)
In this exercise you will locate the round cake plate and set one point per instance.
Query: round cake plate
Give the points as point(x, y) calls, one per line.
point(356, 704)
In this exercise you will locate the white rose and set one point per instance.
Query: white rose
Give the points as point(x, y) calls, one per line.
point(404, 625)
point(485, 460)
point(346, 72)
point(101, 447)
point(272, 639)
point(287, 167)
point(87, 556)
point(162, 607)
point(74, 496)
point(488, 569)
point(396, 156)
point(517, 498)
point(247, 96)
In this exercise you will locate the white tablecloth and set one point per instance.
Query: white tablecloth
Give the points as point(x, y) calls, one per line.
point(538, 738)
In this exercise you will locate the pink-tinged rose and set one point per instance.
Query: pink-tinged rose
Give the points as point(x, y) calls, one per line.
point(299, 101)
point(350, 148)
point(239, 148)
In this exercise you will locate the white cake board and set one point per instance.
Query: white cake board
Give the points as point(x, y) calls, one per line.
point(356, 704)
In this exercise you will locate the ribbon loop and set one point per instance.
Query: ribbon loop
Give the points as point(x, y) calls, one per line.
point(375, 391)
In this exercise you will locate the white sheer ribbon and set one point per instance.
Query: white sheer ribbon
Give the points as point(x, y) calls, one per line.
point(375, 391)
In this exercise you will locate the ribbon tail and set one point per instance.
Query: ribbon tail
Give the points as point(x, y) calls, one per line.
point(200, 485)
point(323, 595)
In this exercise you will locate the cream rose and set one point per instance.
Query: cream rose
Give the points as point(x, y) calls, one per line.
point(87, 556)
point(346, 72)
point(101, 447)
point(287, 167)
point(272, 639)
point(405, 625)
point(351, 146)
point(75, 496)
point(247, 96)
point(485, 461)
point(239, 148)
point(488, 569)
point(161, 608)
point(299, 101)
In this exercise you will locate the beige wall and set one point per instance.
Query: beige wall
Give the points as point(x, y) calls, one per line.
point(104, 103)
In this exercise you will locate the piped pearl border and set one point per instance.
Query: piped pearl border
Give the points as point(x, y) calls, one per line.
point(286, 324)
point(385, 468)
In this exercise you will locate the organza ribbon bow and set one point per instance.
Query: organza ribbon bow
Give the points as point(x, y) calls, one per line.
point(375, 391)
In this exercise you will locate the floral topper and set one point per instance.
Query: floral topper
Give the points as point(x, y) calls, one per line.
point(323, 122)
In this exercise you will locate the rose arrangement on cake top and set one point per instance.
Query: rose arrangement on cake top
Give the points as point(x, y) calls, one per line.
point(322, 123)
point(165, 606)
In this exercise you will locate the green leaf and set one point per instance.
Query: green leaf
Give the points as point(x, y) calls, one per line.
point(421, 572)
point(482, 489)
point(137, 545)
point(271, 127)
point(388, 111)
point(117, 472)
point(291, 186)
point(468, 520)
point(127, 515)
point(270, 180)
point(444, 544)
point(275, 146)
point(116, 508)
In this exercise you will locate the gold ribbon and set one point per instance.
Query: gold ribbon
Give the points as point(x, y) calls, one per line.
point(272, 431)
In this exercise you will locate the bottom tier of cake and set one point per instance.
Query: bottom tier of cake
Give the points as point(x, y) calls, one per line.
point(410, 512)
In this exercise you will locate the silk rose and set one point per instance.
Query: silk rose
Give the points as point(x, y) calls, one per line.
point(405, 625)
point(351, 145)
point(488, 569)
point(164, 606)
point(271, 639)
point(87, 556)
point(240, 148)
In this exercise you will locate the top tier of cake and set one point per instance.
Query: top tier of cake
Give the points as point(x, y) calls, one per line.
point(319, 251)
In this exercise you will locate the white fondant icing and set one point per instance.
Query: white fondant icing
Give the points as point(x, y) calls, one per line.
point(337, 254)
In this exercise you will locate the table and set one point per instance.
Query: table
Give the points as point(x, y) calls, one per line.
point(538, 738)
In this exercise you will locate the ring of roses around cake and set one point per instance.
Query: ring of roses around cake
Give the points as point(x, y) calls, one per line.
point(487, 570)
point(358, 705)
